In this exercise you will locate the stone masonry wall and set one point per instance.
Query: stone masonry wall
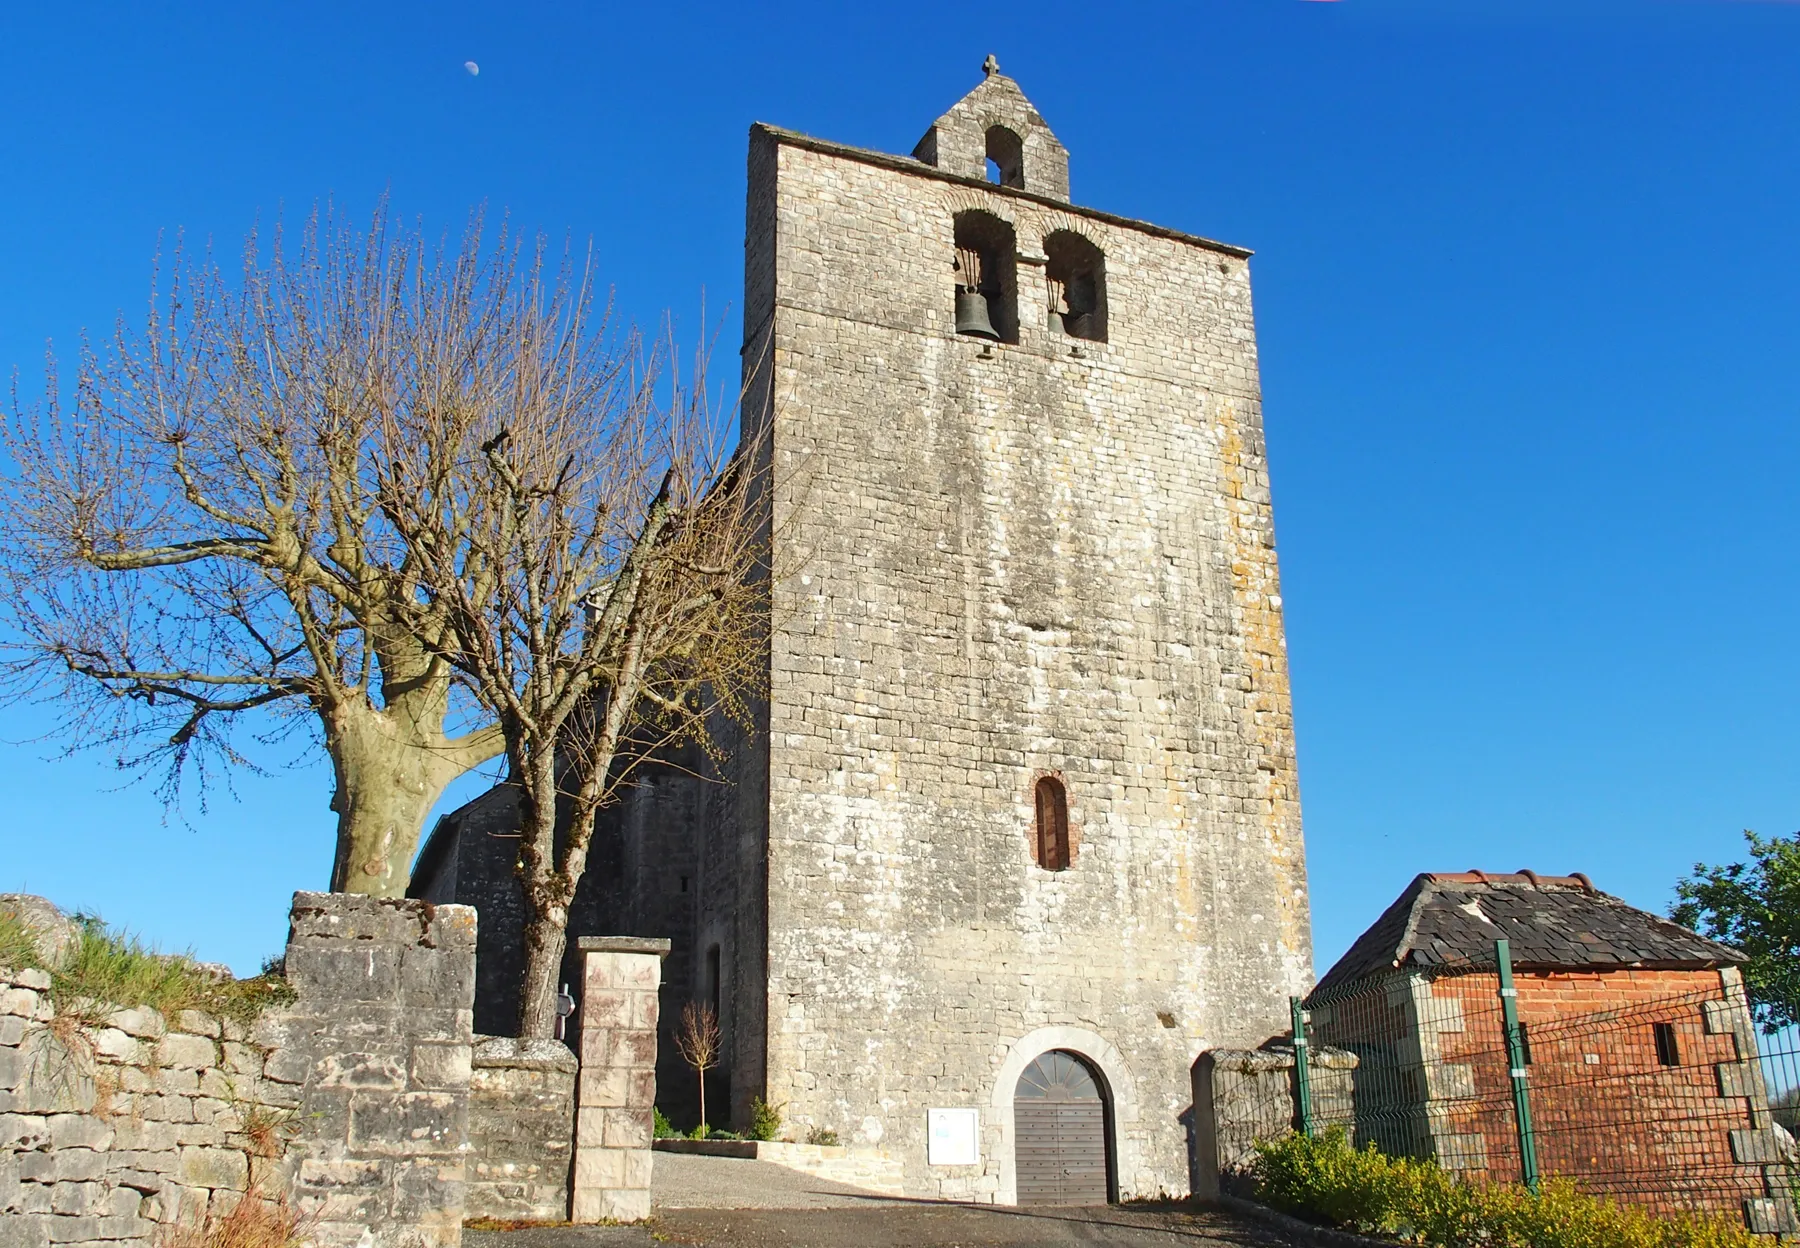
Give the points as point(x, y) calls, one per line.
point(1242, 1096)
point(351, 1102)
point(1050, 558)
point(521, 1126)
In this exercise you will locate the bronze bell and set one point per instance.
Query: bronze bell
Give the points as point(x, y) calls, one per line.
point(972, 315)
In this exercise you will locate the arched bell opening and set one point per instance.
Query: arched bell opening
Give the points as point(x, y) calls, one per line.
point(1075, 274)
point(1006, 157)
point(986, 271)
point(1063, 1132)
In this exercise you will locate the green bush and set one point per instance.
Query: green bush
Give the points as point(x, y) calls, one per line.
point(661, 1127)
point(765, 1119)
point(1324, 1179)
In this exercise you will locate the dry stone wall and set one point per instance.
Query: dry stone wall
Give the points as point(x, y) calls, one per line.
point(351, 1103)
point(521, 1124)
point(1245, 1095)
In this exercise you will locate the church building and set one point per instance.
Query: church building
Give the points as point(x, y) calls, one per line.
point(1017, 833)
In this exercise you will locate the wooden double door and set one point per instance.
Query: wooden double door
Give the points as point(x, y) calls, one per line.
point(1060, 1133)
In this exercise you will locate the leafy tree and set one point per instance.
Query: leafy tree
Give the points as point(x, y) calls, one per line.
point(1754, 907)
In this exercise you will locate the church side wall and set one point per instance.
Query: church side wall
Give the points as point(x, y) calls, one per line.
point(1012, 563)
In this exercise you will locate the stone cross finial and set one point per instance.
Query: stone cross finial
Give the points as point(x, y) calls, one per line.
point(990, 67)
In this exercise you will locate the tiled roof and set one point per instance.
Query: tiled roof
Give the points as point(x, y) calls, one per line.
point(1450, 921)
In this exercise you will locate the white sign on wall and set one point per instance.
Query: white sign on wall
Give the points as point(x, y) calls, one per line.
point(953, 1137)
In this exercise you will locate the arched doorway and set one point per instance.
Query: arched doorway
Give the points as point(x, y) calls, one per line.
point(1061, 1130)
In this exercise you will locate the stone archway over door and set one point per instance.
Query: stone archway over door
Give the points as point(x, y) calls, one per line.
point(1060, 1125)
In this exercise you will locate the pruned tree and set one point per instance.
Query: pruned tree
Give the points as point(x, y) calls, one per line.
point(599, 563)
point(697, 1040)
point(198, 537)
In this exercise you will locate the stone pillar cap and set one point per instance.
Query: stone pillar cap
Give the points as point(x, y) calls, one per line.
point(623, 944)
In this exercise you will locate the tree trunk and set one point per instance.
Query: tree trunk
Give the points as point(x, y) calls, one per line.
point(546, 936)
point(391, 770)
point(702, 1075)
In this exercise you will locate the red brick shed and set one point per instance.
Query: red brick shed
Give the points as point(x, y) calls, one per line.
point(1644, 1077)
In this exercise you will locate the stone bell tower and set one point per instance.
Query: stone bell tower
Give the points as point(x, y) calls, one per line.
point(1019, 835)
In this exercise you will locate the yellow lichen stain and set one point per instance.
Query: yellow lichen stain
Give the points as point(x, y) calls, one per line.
point(1256, 589)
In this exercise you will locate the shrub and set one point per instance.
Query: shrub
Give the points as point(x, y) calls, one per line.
point(661, 1127)
point(1324, 1179)
point(822, 1135)
point(765, 1119)
point(700, 1132)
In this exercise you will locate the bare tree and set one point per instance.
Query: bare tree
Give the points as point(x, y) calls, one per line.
point(602, 576)
point(697, 1040)
point(199, 535)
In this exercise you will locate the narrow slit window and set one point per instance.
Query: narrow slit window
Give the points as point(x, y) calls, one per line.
point(1051, 841)
point(714, 985)
point(1667, 1051)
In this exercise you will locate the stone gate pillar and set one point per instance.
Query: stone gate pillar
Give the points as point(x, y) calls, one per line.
point(616, 1089)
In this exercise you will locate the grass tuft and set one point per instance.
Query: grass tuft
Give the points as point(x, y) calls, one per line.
point(106, 970)
point(18, 951)
point(254, 1222)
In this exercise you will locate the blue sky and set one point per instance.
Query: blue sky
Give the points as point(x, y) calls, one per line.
point(1527, 284)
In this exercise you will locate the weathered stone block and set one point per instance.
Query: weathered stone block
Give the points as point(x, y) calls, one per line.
point(77, 1199)
point(1755, 1147)
point(179, 1082)
point(605, 1086)
point(22, 1230)
point(79, 1131)
point(141, 1022)
point(290, 1065)
point(114, 1045)
point(72, 1165)
point(408, 1123)
point(437, 977)
point(214, 1167)
point(12, 1168)
point(366, 973)
point(361, 1071)
point(339, 1174)
point(351, 918)
point(197, 1023)
point(184, 1052)
point(441, 1066)
point(626, 1128)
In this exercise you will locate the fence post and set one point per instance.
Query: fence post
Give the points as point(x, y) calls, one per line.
point(1515, 1060)
point(1302, 1072)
